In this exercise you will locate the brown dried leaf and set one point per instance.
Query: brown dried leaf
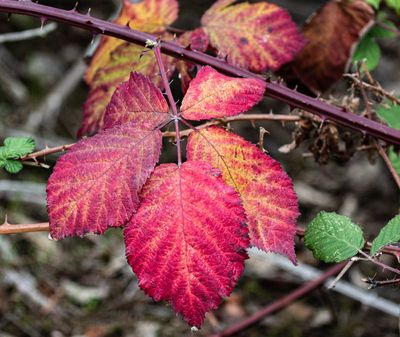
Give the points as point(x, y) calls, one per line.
point(332, 33)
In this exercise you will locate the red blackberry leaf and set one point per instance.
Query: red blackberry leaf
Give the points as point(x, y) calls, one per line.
point(136, 100)
point(213, 95)
point(150, 16)
point(95, 185)
point(266, 190)
point(332, 32)
point(123, 60)
point(187, 241)
point(256, 36)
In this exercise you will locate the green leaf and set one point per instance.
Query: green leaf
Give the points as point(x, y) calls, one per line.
point(333, 237)
point(381, 32)
point(13, 166)
point(388, 234)
point(395, 4)
point(374, 3)
point(368, 51)
point(19, 146)
point(395, 159)
point(390, 113)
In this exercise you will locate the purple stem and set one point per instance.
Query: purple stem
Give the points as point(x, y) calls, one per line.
point(274, 90)
point(171, 100)
point(280, 303)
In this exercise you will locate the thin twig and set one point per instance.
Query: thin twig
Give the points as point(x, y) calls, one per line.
point(374, 283)
point(280, 303)
point(341, 274)
point(28, 34)
point(375, 88)
point(184, 133)
point(380, 264)
point(388, 163)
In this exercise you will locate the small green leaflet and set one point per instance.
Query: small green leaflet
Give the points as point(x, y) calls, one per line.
point(390, 113)
point(395, 4)
point(333, 237)
point(368, 51)
point(388, 234)
point(374, 3)
point(395, 159)
point(380, 31)
point(14, 148)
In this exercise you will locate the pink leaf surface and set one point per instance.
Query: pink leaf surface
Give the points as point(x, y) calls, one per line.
point(266, 190)
point(257, 36)
point(95, 185)
point(213, 95)
point(136, 100)
point(187, 241)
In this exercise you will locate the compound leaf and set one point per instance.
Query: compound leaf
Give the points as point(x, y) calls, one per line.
point(333, 237)
point(136, 100)
point(388, 234)
point(124, 59)
point(213, 95)
point(95, 185)
point(187, 241)
point(256, 36)
point(151, 16)
point(332, 32)
point(265, 189)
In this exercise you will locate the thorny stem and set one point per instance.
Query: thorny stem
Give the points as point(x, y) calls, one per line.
point(46, 152)
point(7, 228)
point(274, 90)
point(171, 100)
point(280, 303)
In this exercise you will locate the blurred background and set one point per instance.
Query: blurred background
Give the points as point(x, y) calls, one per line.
point(84, 287)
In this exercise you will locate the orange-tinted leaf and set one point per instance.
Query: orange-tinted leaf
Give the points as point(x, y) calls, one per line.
point(332, 34)
point(213, 95)
point(151, 16)
point(95, 185)
point(255, 36)
point(136, 100)
point(266, 190)
point(195, 40)
point(187, 241)
point(126, 58)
